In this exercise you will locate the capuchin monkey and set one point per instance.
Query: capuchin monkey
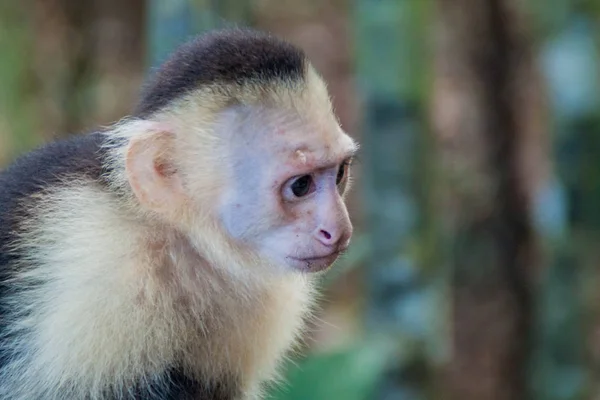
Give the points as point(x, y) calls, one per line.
point(173, 255)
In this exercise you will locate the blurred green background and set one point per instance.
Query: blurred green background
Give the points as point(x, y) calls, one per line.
point(474, 270)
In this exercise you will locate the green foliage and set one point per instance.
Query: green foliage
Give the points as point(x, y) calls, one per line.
point(349, 374)
point(17, 99)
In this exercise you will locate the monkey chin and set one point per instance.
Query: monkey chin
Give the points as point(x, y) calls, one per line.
point(313, 264)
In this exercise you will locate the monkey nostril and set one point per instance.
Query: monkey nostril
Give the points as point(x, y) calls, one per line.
point(326, 234)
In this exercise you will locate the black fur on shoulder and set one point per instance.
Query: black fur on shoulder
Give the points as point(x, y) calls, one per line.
point(173, 384)
point(229, 56)
point(77, 156)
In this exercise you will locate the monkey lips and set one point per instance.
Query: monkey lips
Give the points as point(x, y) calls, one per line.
point(315, 263)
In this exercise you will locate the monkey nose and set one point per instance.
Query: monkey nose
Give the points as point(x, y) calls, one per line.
point(329, 237)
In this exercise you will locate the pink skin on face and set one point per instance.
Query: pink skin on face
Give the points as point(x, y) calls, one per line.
point(260, 209)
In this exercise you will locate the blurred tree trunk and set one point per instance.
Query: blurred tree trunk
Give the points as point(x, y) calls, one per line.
point(486, 115)
point(88, 59)
point(63, 62)
point(118, 58)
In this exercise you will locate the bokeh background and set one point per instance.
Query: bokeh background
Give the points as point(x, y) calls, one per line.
point(475, 266)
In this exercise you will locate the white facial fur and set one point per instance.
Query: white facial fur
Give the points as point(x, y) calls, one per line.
point(269, 150)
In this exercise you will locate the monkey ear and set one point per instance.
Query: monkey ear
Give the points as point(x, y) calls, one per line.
point(151, 171)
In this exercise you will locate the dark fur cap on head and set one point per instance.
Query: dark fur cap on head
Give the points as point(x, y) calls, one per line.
point(229, 56)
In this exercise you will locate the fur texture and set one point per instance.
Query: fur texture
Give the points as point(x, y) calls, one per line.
point(223, 58)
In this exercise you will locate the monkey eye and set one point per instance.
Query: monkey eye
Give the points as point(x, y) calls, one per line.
point(342, 172)
point(302, 186)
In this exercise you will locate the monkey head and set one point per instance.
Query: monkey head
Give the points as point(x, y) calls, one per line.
point(239, 139)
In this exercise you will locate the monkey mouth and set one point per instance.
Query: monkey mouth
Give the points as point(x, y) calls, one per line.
point(316, 263)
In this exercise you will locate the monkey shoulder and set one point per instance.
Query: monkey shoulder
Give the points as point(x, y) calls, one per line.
point(79, 156)
point(56, 162)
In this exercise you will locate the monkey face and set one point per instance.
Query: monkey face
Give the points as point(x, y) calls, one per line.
point(272, 176)
point(286, 198)
point(316, 228)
